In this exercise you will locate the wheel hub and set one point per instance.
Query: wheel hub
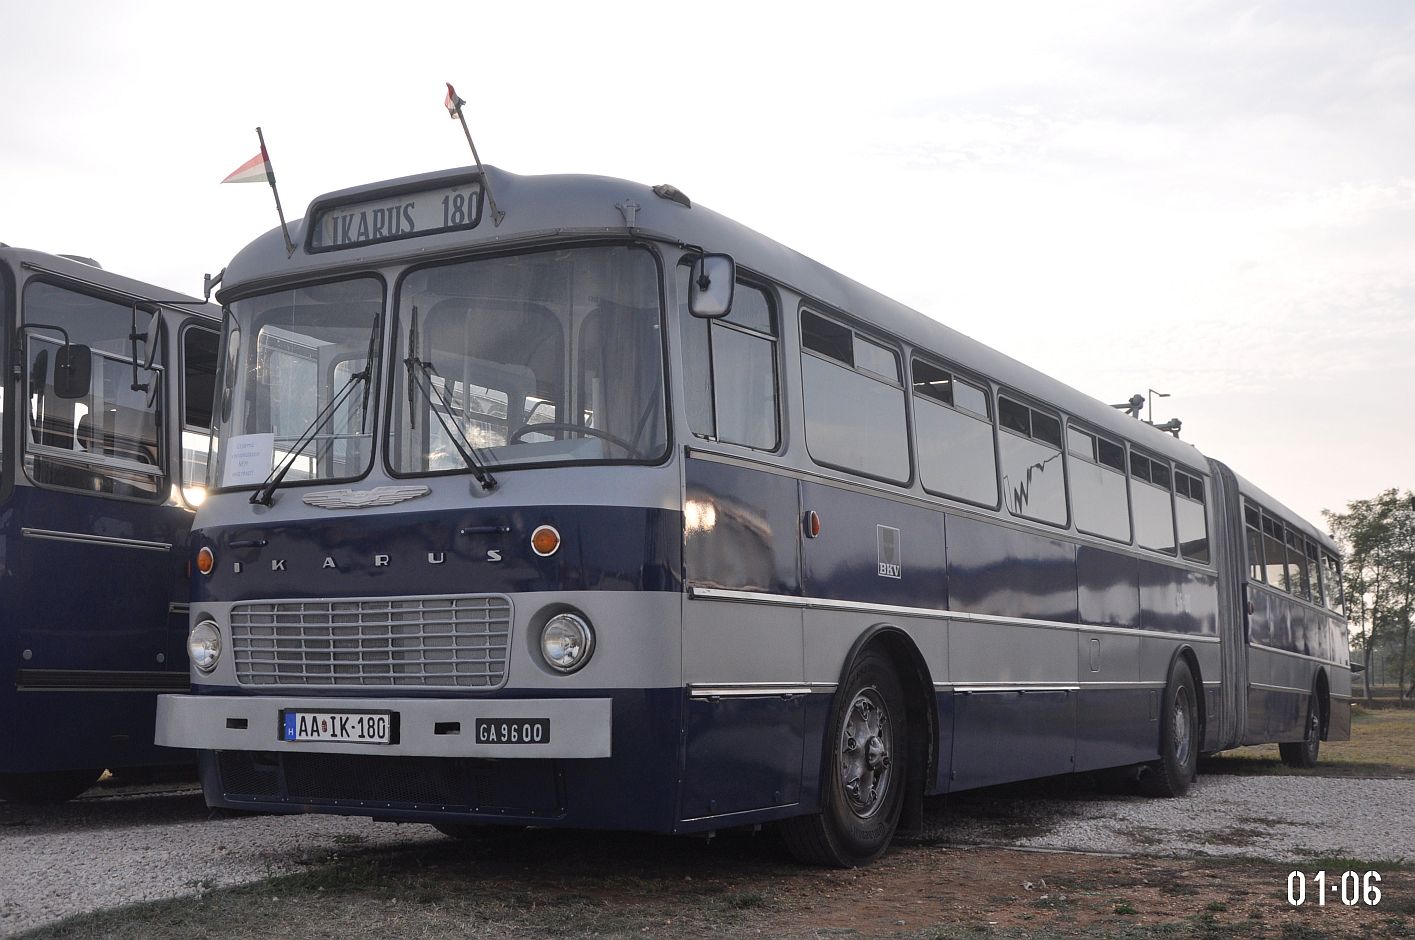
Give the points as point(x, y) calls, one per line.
point(866, 738)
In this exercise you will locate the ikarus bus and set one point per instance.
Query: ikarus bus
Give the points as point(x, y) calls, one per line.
point(106, 400)
point(610, 512)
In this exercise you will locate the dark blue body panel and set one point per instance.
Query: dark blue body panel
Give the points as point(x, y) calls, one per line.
point(416, 553)
point(1007, 572)
point(88, 632)
point(752, 543)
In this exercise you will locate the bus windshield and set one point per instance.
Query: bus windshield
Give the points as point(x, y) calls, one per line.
point(548, 357)
point(290, 354)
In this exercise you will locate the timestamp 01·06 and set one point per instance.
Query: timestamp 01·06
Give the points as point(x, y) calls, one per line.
point(1351, 887)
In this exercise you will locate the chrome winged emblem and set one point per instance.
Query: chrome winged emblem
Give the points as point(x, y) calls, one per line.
point(362, 499)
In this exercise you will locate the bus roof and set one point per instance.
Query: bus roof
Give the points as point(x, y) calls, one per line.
point(541, 208)
point(104, 279)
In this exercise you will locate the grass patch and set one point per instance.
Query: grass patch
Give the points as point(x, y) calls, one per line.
point(1382, 745)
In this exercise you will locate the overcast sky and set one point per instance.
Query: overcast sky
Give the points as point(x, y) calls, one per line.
point(1215, 200)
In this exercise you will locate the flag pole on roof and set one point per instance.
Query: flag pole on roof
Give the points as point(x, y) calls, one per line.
point(454, 108)
point(259, 169)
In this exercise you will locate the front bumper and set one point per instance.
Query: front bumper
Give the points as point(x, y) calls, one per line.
point(578, 727)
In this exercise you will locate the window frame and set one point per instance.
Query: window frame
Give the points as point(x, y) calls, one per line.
point(1096, 439)
point(1033, 411)
point(917, 357)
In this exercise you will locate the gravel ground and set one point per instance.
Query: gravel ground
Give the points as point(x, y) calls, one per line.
point(1275, 818)
point(151, 843)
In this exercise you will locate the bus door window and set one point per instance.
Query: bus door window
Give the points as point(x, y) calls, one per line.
point(953, 429)
point(199, 352)
point(1033, 481)
point(730, 369)
point(106, 442)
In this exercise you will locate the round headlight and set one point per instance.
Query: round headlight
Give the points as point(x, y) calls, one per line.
point(204, 645)
point(566, 642)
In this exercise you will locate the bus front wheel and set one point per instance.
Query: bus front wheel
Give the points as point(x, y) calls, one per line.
point(1179, 737)
point(863, 787)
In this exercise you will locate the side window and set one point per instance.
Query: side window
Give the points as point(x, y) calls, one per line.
point(1299, 574)
point(1098, 491)
point(854, 401)
point(730, 369)
point(1331, 577)
point(1253, 529)
point(1033, 484)
point(1154, 512)
point(1274, 553)
point(1193, 521)
point(957, 455)
point(199, 350)
point(106, 442)
point(1314, 565)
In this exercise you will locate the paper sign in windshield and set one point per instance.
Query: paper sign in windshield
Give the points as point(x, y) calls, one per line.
point(249, 459)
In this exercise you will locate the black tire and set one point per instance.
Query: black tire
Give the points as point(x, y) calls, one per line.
point(1171, 775)
point(1303, 754)
point(57, 787)
point(866, 771)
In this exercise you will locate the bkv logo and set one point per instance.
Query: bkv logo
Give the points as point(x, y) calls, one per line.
point(891, 565)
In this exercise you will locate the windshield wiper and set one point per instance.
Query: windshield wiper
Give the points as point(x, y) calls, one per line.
point(420, 375)
point(262, 496)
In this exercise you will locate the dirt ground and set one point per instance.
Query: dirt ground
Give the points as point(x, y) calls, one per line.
point(576, 884)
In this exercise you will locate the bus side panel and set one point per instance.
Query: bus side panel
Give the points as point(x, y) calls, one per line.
point(1012, 735)
point(741, 529)
point(873, 550)
point(996, 570)
point(742, 754)
point(1108, 585)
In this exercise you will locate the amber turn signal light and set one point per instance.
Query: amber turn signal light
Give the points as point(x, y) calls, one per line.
point(545, 541)
point(206, 561)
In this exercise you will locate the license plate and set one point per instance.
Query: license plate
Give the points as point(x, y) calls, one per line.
point(360, 727)
point(513, 730)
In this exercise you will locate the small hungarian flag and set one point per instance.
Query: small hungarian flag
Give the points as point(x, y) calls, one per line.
point(453, 103)
point(254, 170)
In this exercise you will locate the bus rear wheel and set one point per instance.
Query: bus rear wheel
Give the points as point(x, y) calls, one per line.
point(863, 788)
point(1179, 737)
point(1303, 754)
point(57, 787)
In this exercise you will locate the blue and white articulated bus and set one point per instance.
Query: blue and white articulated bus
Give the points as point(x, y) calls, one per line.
point(106, 399)
point(612, 513)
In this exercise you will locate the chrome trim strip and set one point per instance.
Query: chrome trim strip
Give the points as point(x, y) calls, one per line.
point(759, 690)
point(1315, 659)
point(176, 608)
point(820, 603)
point(54, 535)
point(966, 689)
point(1277, 688)
point(1344, 698)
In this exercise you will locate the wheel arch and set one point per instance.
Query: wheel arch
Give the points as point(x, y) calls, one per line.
point(921, 712)
point(1185, 653)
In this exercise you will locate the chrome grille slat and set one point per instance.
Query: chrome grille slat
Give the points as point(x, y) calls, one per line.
point(452, 642)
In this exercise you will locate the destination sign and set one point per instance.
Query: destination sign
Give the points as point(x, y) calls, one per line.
point(404, 215)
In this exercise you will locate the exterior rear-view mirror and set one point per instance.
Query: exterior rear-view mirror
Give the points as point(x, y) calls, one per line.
point(710, 286)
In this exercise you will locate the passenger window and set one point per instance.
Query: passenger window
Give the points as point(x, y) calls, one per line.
point(1033, 481)
point(1254, 530)
point(854, 413)
point(1331, 577)
point(730, 369)
point(1314, 565)
point(1275, 554)
point(1154, 510)
point(957, 456)
point(1299, 575)
point(1192, 519)
point(106, 442)
point(1098, 492)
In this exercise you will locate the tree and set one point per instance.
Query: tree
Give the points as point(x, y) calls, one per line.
point(1379, 537)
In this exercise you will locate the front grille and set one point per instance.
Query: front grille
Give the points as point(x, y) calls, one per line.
point(432, 642)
